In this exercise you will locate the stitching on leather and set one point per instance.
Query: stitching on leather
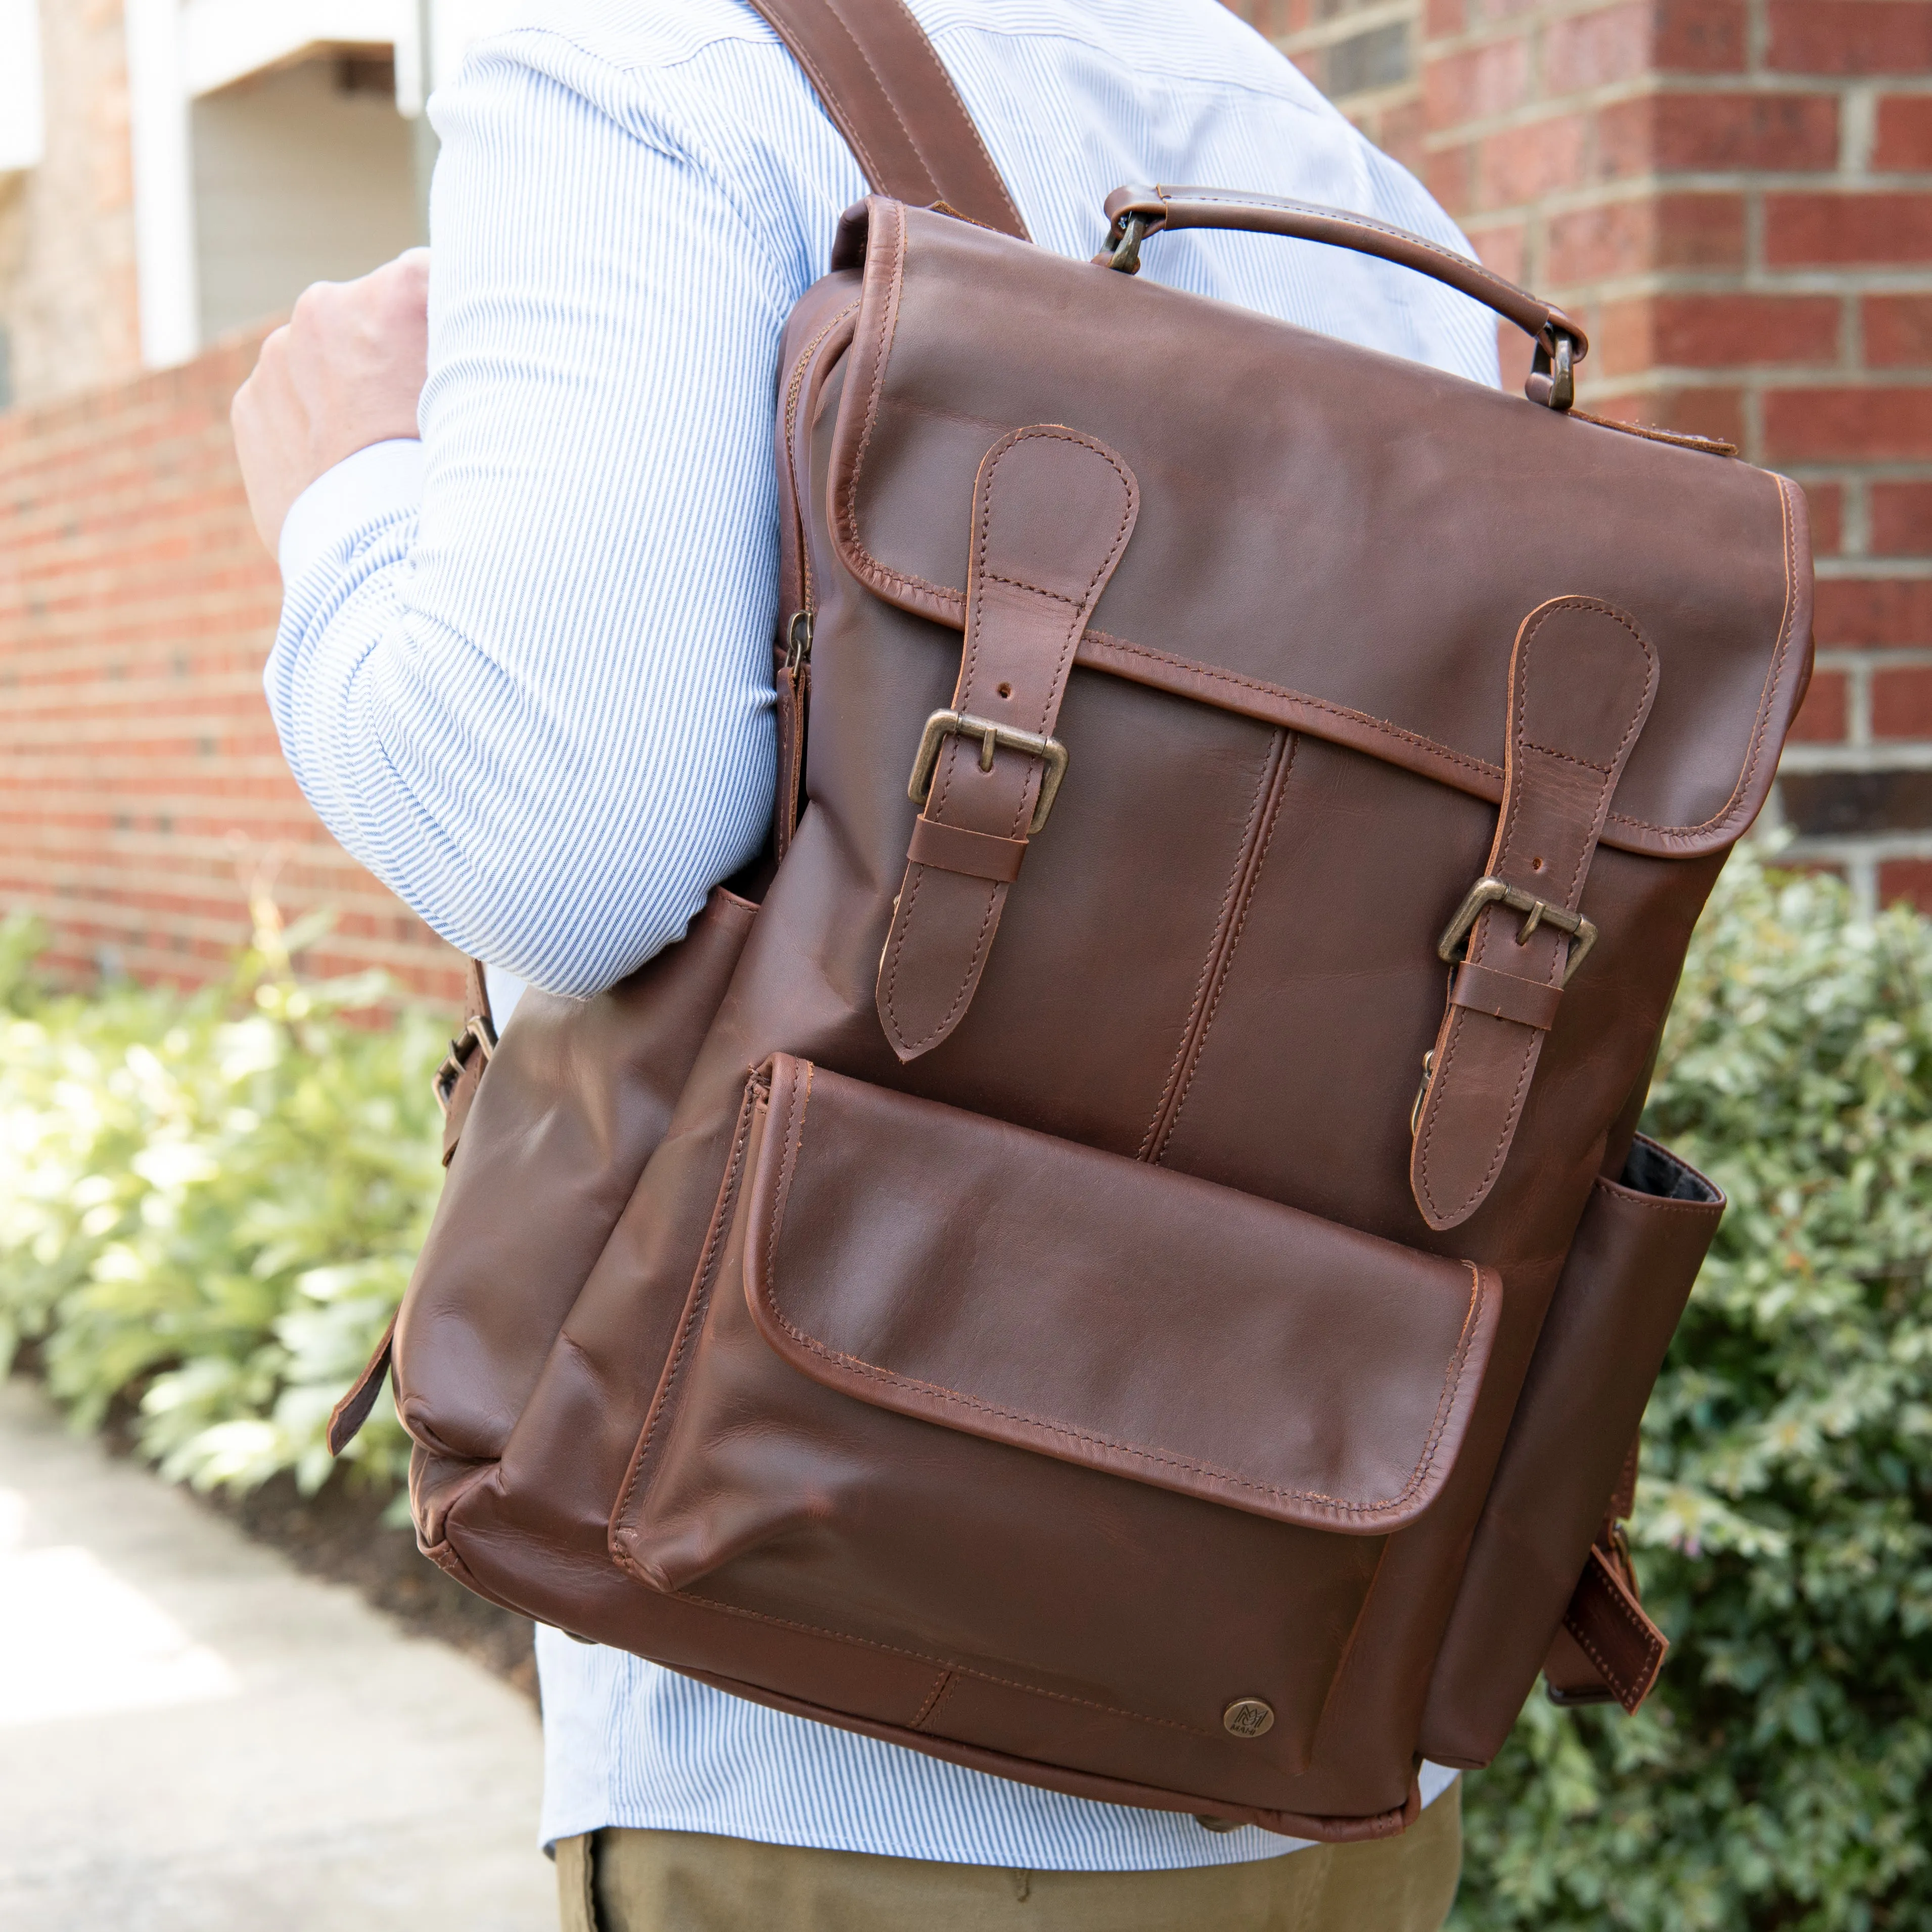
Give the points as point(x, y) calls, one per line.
point(1653, 1649)
point(892, 106)
point(1452, 1379)
point(872, 570)
point(1568, 757)
point(999, 181)
point(696, 1303)
point(1151, 1140)
point(1038, 589)
point(867, 167)
point(1278, 791)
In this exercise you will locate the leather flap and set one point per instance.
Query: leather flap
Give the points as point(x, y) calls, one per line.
point(1330, 539)
point(1033, 1292)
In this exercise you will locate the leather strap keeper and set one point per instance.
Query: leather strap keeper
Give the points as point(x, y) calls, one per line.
point(1607, 1648)
point(1506, 996)
point(952, 848)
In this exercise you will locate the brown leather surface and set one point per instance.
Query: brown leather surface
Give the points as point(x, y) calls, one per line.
point(580, 1092)
point(888, 94)
point(1178, 207)
point(1367, 458)
point(1287, 719)
point(1582, 678)
point(1636, 1253)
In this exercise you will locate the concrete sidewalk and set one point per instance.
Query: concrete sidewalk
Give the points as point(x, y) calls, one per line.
point(196, 1738)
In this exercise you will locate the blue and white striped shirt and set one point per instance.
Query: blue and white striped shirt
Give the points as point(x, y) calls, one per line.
point(523, 669)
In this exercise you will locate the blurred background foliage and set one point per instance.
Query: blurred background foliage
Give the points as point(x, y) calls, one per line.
point(209, 1205)
point(1782, 1774)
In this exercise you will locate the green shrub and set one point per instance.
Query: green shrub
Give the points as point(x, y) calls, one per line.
point(1781, 1775)
point(210, 1203)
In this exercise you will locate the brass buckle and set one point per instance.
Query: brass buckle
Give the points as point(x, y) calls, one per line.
point(944, 724)
point(1487, 891)
point(477, 1036)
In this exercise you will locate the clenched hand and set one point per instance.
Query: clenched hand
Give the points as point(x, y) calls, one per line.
point(345, 371)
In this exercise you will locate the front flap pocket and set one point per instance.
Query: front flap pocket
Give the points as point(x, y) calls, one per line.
point(1070, 1432)
point(1036, 1292)
point(1106, 1313)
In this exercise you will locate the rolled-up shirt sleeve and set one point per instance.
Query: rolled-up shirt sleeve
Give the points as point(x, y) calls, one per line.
point(525, 678)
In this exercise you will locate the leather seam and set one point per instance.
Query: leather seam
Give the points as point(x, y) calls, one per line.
point(793, 397)
point(1381, 727)
point(697, 1303)
point(999, 181)
point(941, 1684)
point(1253, 862)
point(940, 1662)
point(1151, 1141)
point(888, 332)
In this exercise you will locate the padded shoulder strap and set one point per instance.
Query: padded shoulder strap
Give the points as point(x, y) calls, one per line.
point(888, 94)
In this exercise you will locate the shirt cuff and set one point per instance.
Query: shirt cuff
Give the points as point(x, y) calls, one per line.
point(378, 481)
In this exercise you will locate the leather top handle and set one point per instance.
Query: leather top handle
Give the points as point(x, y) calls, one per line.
point(887, 92)
point(1134, 213)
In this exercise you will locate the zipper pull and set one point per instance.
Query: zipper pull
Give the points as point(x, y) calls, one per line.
point(798, 645)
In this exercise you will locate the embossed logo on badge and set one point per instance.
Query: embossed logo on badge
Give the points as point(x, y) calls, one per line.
point(1248, 1718)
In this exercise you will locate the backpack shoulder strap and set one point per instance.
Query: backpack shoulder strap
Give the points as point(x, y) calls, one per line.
point(888, 94)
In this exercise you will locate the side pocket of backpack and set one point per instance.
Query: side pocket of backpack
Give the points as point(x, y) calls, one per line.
point(1637, 1251)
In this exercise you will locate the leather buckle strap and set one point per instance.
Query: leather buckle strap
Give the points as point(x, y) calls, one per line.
point(1581, 679)
point(1052, 511)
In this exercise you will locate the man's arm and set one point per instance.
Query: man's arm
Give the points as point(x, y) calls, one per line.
point(538, 704)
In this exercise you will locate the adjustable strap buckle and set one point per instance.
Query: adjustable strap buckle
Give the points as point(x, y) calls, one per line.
point(477, 1036)
point(1489, 891)
point(944, 724)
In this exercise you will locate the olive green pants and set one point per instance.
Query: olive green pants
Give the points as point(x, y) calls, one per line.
point(620, 1881)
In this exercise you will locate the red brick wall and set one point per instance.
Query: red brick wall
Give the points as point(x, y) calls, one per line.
point(142, 791)
point(1735, 196)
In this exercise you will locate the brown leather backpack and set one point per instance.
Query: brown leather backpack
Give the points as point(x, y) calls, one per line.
point(1007, 1292)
